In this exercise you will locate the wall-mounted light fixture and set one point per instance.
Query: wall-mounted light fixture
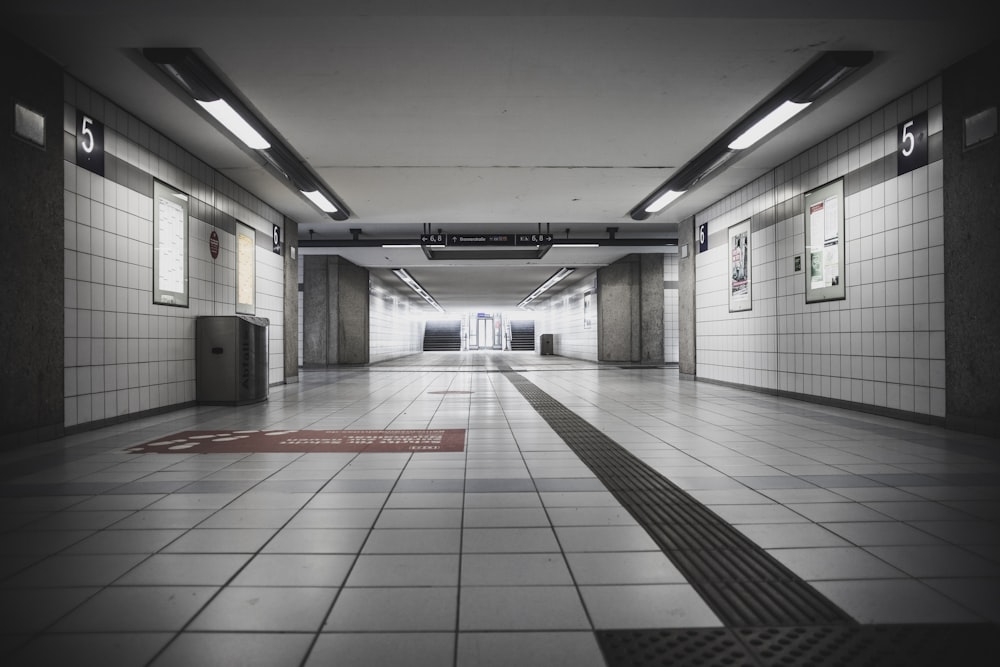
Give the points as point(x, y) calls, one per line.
point(822, 74)
point(404, 275)
point(553, 279)
point(199, 82)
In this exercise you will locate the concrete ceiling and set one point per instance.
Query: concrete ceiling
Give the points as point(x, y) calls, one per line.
point(499, 117)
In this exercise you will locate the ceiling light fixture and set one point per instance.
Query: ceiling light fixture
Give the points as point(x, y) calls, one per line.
point(201, 84)
point(553, 279)
point(404, 275)
point(822, 74)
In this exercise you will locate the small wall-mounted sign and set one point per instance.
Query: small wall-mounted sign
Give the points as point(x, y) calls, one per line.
point(980, 127)
point(276, 239)
point(798, 263)
point(912, 139)
point(703, 237)
point(89, 143)
point(29, 125)
point(684, 251)
point(213, 244)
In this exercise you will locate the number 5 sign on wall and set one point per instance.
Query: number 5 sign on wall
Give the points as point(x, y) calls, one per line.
point(911, 136)
point(89, 143)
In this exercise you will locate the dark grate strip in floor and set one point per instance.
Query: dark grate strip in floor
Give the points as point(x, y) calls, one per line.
point(742, 583)
point(830, 646)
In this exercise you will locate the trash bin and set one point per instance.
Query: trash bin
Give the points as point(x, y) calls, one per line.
point(230, 359)
point(546, 344)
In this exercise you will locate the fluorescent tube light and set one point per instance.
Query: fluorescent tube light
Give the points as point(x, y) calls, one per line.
point(404, 275)
point(662, 201)
point(235, 123)
point(768, 124)
point(553, 279)
point(401, 245)
point(316, 197)
point(570, 244)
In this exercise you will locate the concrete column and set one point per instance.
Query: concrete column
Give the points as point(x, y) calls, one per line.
point(291, 293)
point(687, 237)
point(335, 312)
point(630, 310)
point(971, 240)
point(32, 266)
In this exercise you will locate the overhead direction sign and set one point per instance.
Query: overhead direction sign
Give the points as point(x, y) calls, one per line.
point(480, 240)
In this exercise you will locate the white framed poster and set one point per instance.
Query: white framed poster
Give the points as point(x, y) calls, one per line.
point(824, 251)
point(588, 309)
point(170, 246)
point(740, 282)
point(246, 248)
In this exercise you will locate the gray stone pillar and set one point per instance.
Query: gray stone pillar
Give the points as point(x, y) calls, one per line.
point(687, 237)
point(291, 293)
point(971, 240)
point(335, 312)
point(630, 310)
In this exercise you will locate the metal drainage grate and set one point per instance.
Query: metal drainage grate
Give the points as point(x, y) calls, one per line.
point(742, 583)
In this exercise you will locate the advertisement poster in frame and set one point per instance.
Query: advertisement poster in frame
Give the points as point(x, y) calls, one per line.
point(824, 243)
point(740, 281)
point(170, 246)
point(246, 242)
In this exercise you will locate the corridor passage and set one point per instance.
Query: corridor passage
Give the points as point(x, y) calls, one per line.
point(502, 509)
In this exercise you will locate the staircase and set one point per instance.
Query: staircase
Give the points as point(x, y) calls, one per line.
point(443, 336)
point(522, 335)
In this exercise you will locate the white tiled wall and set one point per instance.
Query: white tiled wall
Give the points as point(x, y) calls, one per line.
point(884, 344)
point(125, 354)
point(395, 321)
point(562, 316)
point(671, 309)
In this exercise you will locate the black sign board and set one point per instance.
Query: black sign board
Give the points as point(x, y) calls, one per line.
point(479, 240)
point(703, 237)
point(276, 239)
point(911, 136)
point(89, 143)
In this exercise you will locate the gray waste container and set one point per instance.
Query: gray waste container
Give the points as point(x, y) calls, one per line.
point(230, 359)
point(546, 344)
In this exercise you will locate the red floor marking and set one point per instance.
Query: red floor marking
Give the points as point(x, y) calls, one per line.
point(239, 442)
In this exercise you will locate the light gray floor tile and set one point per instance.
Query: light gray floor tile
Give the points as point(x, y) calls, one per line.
point(528, 649)
point(786, 535)
point(829, 563)
point(894, 601)
point(257, 649)
point(137, 609)
point(75, 570)
point(334, 518)
point(423, 500)
point(515, 570)
point(647, 606)
point(221, 540)
point(936, 561)
point(505, 517)
point(521, 608)
point(635, 567)
point(509, 540)
point(405, 570)
point(317, 540)
point(30, 610)
point(604, 538)
point(266, 609)
point(92, 650)
point(394, 610)
point(420, 518)
point(184, 570)
point(414, 541)
point(383, 649)
point(874, 533)
point(295, 570)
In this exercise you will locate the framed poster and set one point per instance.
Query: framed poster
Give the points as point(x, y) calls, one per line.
point(740, 284)
point(824, 251)
point(588, 309)
point(246, 241)
point(170, 246)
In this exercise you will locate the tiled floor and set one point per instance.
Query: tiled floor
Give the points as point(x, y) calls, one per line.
point(511, 552)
